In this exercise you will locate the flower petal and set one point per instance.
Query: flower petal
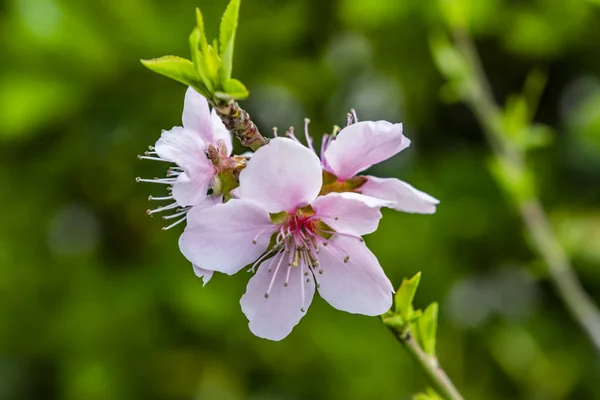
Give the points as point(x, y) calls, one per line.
point(220, 132)
point(226, 237)
point(203, 274)
point(281, 176)
point(358, 286)
point(190, 192)
point(183, 147)
point(363, 144)
point(196, 116)
point(404, 197)
point(350, 213)
point(275, 316)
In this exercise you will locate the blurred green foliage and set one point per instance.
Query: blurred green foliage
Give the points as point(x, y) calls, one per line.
point(97, 303)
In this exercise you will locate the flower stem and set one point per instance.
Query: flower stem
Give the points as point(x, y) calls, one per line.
point(238, 121)
point(568, 286)
point(428, 364)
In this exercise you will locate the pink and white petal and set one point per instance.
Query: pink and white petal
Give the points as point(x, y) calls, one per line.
point(358, 286)
point(191, 192)
point(363, 144)
point(349, 213)
point(196, 115)
point(281, 176)
point(275, 316)
point(203, 274)
point(207, 202)
point(403, 196)
point(220, 132)
point(227, 236)
point(183, 147)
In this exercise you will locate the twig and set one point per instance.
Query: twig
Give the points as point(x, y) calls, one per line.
point(479, 97)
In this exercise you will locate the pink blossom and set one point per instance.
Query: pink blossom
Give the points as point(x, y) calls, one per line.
point(317, 241)
point(359, 146)
point(189, 182)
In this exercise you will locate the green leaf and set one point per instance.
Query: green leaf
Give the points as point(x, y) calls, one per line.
point(227, 31)
point(427, 327)
point(429, 394)
point(176, 68)
point(235, 89)
point(405, 295)
point(200, 26)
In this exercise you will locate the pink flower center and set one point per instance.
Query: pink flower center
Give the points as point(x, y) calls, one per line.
point(296, 249)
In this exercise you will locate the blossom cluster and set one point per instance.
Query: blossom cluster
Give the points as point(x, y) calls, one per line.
point(295, 215)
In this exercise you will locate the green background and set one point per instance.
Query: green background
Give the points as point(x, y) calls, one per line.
point(96, 302)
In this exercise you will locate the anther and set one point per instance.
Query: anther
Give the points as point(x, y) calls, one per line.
point(346, 259)
point(306, 274)
point(320, 272)
point(285, 284)
point(336, 218)
point(303, 310)
point(254, 242)
point(266, 295)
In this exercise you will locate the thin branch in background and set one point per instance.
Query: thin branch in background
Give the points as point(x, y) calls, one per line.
point(479, 98)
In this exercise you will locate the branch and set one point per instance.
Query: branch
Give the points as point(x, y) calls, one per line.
point(480, 99)
point(429, 365)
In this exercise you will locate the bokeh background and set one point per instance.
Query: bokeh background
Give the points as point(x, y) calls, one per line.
point(96, 302)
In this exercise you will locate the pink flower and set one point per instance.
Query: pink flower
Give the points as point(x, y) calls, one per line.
point(363, 144)
point(194, 174)
point(317, 241)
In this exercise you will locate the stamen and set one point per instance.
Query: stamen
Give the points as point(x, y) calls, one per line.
point(360, 239)
point(275, 131)
point(336, 130)
point(153, 158)
point(164, 181)
point(275, 274)
point(290, 133)
point(353, 111)
point(349, 120)
point(324, 145)
point(309, 140)
point(302, 286)
point(150, 198)
point(160, 209)
point(183, 212)
point(174, 223)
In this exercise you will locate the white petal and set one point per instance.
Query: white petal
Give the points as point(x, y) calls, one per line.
point(363, 144)
point(358, 286)
point(275, 316)
point(404, 197)
point(350, 213)
point(183, 147)
point(203, 274)
point(196, 116)
point(221, 238)
point(190, 192)
point(220, 132)
point(281, 176)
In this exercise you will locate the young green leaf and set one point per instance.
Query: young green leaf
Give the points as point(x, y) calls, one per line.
point(427, 327)
point(200, 26)
point(235, 89)
point(429, 394)
point(176, 68)
point(227, 31)
point(405, 295)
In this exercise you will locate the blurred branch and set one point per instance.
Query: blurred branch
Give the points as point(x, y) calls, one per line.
point(428, 363)
point(478, 95)
point(416, 330)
